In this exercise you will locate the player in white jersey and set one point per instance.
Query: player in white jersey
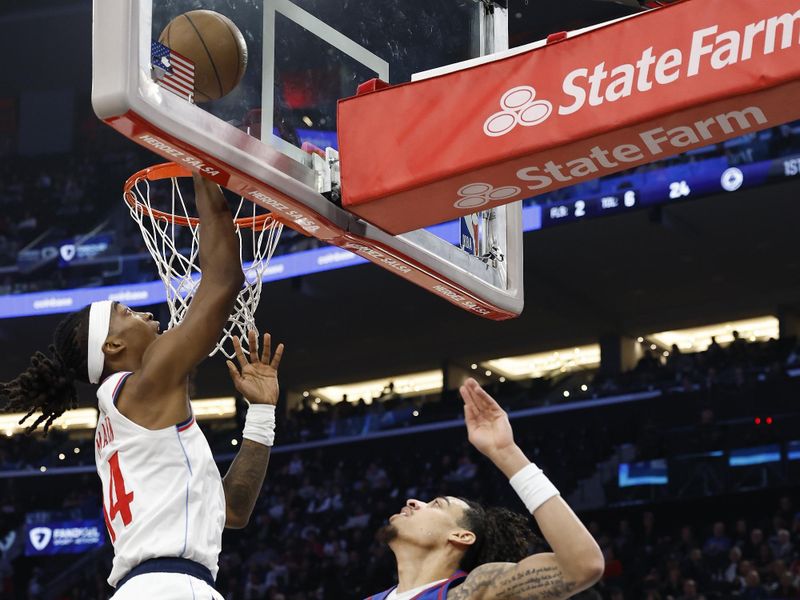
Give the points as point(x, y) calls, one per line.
point(164, 502)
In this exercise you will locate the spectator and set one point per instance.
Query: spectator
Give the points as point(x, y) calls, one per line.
point(738, 348)
point(465, 471)
point(690, 591)
point(614, 569)
point(785, 511)
point(731, 572)
point(787, 587)
point(781, 545)
point(764, 558)
point(616, 593)
point(687, 541)
point(255, 587)
point(696, 569)
point(740, 535)
point(753, 589)
point(752, 547)
point(717, 546)
point(674, 584)
point(715, 355)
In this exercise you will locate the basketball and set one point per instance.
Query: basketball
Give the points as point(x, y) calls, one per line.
point(215, 46)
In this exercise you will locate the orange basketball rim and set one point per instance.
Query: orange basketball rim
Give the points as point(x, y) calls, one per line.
point(171, 170)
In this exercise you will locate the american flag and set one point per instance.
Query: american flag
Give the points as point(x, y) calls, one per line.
point(172, 71)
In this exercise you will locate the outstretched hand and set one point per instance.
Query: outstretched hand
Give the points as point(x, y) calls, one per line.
point(487, 424)
point(258, 379)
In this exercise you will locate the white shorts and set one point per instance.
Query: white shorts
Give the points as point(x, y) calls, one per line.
point(166, 586)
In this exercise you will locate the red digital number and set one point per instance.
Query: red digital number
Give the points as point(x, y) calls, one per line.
point(119, 499)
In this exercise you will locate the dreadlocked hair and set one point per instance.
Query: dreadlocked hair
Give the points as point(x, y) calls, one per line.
point(500, 536)
point(48, 384)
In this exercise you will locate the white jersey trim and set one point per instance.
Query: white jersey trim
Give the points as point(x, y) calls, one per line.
point(181, 427)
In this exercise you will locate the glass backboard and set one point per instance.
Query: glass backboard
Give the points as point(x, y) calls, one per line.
point(273, 139)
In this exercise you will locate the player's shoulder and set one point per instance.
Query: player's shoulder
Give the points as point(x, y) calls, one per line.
point(478, 581)
point(110, 387)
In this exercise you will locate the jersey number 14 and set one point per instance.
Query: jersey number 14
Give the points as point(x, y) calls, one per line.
point(119, 499)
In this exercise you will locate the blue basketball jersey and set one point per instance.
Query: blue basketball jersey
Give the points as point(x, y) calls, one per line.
point(437, 592)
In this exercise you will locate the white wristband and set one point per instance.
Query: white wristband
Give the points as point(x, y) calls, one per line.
point(533, 487)
point(259, 425)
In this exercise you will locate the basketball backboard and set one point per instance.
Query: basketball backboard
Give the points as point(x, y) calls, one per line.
point(274, 138)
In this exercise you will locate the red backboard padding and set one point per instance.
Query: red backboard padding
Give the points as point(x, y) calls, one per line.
point(642, 89)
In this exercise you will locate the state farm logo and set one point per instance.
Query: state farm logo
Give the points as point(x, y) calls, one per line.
point(628, 74)
point(474, 195)
point(519, 107)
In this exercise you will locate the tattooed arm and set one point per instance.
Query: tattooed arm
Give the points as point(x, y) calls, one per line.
point(243, 483)
point(576, 561)
point(258, 382)
point(538, 576)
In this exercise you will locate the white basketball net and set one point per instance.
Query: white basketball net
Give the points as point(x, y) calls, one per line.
point(175, 250)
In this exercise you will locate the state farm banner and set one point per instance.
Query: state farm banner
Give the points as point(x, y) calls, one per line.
point(638, 90)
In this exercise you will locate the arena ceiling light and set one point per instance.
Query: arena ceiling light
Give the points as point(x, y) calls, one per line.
point(214, 408)
point(86, 418)
point(697, 339)
point(78, 418)
point(544, 364)
point(411, 384)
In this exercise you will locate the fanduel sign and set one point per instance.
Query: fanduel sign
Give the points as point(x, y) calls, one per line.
point(63, 537)
point(68, 252)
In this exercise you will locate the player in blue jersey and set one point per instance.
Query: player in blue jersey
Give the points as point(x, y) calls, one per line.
point(455, 549)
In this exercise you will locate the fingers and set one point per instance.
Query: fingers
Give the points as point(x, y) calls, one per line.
point(237, 348)
point(252, 344)
point(276, 360)
point(235, 375)
point(466, 395)
point(267, 351)
point(470, 414)
point(200, 184)
point(480, 397)
point(468, 392)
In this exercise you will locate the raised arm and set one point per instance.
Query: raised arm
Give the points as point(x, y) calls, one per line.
point(258, 383)
point(576, 561)
point(169, 360)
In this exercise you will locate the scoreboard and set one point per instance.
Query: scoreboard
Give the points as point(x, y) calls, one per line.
point(667, 185)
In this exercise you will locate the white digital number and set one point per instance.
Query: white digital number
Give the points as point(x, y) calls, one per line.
point(580, 208)
point(679, 189)
point(629, 198)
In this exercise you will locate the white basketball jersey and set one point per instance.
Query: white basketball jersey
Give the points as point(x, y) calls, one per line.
point(162, 491)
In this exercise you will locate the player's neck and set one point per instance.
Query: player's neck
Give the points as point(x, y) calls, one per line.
point(416, 567)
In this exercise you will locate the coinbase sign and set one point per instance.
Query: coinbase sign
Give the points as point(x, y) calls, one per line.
point(63, 537)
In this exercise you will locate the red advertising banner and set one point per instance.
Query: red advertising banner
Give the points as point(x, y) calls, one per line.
point(691, 74)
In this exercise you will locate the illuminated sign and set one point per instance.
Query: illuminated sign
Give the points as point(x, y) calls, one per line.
point(63, 537)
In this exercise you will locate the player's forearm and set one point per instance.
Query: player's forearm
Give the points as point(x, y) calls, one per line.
point(576, 551)
point(510, 461)
point(219, 250)
point(243, 481)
